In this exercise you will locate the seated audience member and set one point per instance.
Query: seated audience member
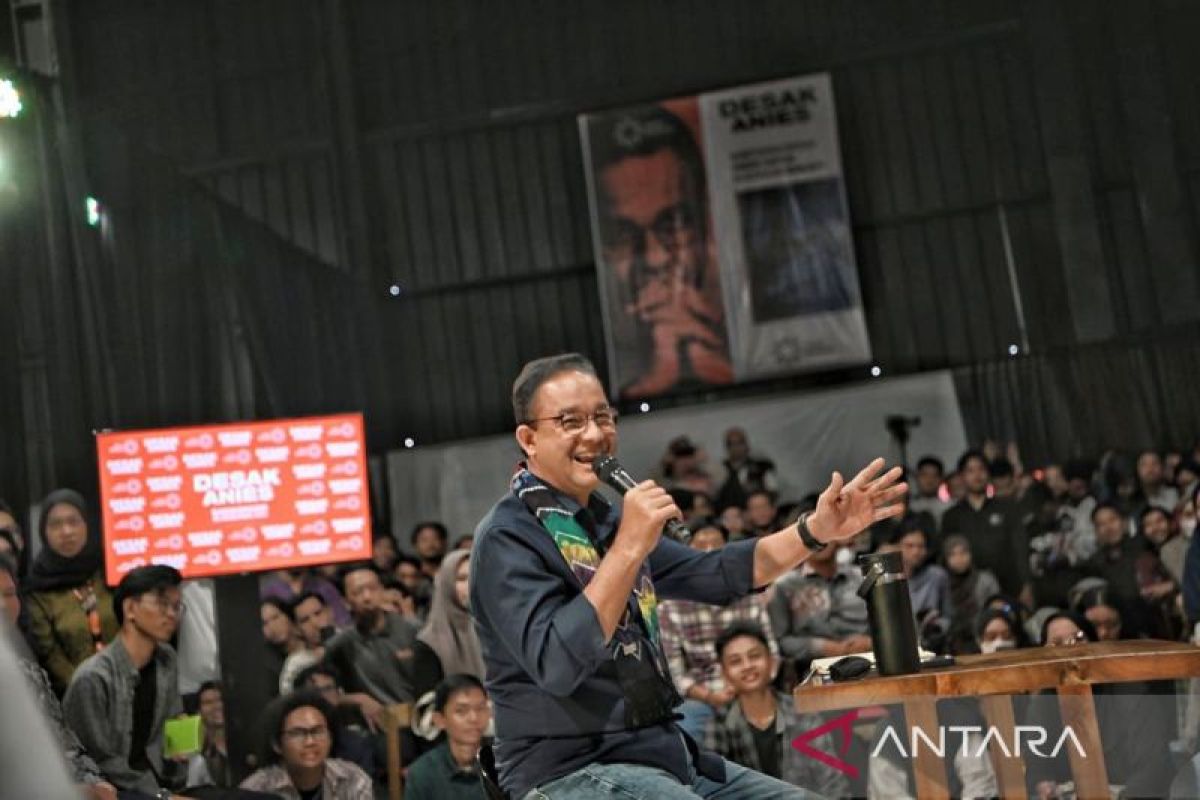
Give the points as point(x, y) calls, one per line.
point(928, 583)
point(926, 496)
point(970, 587)
point(756, 729)
point(1191, 568)
point(288, 584)
point(82, 768)
point(384, 552)
point(69, 608)
point(429, 540)
point(281, 637)
point(448, 772)
point(733, 518)
point(358, 722)
point(996, 630)
point(314, 623)
point(449, 631)
point(1158, 526)
point(762, 517)
point(816, 611)
point(993, 528)
point(745, 472)
point(12, 542)
point(1135, 726)
point(1152, 488)
point(1136, 579)
point(210, 767)
point(377, 655)
point(1097, 608)
point(1187, 480)
point(302, 735)
point(409, 572)
point(397, 599)
point(684, 466)
point(688, 631)
point(120, 698)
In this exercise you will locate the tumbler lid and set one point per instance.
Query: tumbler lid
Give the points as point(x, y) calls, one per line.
point(886, 567)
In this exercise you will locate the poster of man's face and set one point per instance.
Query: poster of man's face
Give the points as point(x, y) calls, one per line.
point(657, 272)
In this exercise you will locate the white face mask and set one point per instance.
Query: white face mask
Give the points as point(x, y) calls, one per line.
point(997, 644)
point(844, 557)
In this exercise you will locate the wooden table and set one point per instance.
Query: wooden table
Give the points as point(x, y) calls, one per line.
point(1071, 670)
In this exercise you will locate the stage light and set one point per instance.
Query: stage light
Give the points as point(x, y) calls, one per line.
point(10, 99)
point(394, 290)
point(1013, 350)
point(410, 443)
point(876, 372)
point(94, 211)
point(644, 407)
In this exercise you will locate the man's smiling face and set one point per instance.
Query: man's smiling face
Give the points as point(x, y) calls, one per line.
point(560, 459)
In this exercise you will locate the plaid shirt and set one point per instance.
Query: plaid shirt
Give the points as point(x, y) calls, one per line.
point(689, 632)
point(729, 734)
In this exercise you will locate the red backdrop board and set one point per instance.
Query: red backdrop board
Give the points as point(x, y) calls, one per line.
point(244, 497)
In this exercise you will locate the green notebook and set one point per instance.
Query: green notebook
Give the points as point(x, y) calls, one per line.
point(184, 736)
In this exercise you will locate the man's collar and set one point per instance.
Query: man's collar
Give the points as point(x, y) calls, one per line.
point(598, 505)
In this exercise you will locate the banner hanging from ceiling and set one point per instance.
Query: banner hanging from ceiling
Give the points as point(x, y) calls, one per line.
point(722, 236)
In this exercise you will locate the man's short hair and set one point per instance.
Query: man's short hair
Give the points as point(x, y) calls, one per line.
point(970, 455)
point(392, 583)
point(209, 686)
point(277, 714)
point(411, 560)
point(142, 581)
point(438, 527)
point(359, 566)
point(452, 685)
point(537, 372)
point(714, 524)
point(1001, 468)
point(931, 461)
point(913, 523)
point(280, 605)
point(736, 630)
point(767, 493)
point(1107, 505)
point(305, 596)
point(1148, 510)
point(305, 676)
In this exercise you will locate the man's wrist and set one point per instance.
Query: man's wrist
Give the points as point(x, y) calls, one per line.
point(812, 540)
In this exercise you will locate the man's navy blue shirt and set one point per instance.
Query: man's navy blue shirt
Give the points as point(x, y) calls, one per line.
point(550, 674)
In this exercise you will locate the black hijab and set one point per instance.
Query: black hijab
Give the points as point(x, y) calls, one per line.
point(52, 571)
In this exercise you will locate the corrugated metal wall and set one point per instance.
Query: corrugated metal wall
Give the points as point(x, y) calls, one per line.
point(1006, 161)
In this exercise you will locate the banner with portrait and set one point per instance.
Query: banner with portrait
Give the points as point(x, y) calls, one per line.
point(722, 236)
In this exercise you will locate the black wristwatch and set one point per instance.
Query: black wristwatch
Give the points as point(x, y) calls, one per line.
point(811, 542)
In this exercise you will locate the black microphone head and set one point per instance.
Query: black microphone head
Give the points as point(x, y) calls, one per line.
point(605, 466)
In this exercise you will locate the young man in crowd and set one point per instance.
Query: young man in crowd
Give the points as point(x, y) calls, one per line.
point(1153, 489)
point(1136, 579)
point(448, 772)
point(761, 514)
point(210, 767)
point(757, 728)
point(689, 631)
point(744, 471)
point(992, 527)
point(357, 739)
point(429, 540)
point(926, 498)
point(376, 655)
point(120, 698)
point(816, 611)
point(1160, 531)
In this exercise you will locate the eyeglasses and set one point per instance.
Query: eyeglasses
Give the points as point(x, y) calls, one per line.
point(674, 229)
point(317, 734)
point(165, 607)
point(573, 423)
point(1077, 638)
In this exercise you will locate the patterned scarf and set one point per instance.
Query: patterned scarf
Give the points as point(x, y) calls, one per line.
point(649, 692)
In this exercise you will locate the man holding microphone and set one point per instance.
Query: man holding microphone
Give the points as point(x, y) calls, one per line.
point(564, 592)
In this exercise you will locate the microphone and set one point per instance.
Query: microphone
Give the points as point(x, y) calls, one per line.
point(609, 470)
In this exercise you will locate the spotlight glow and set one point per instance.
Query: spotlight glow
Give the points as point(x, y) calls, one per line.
point(394, 290)
point(93, 211)
point(1013, 350)
point(876, 372)
point(10, 99)
point(410, 442)
point(644, 407)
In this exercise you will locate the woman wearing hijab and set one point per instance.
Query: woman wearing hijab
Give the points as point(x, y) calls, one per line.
point(448, 629)
point(70, 608)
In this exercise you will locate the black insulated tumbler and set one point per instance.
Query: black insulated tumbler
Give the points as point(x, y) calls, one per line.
point(889, 606)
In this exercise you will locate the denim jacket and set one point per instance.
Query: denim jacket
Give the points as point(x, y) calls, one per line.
point(99, 708)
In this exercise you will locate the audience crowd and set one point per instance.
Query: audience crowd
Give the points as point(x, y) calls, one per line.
point(997, 556)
